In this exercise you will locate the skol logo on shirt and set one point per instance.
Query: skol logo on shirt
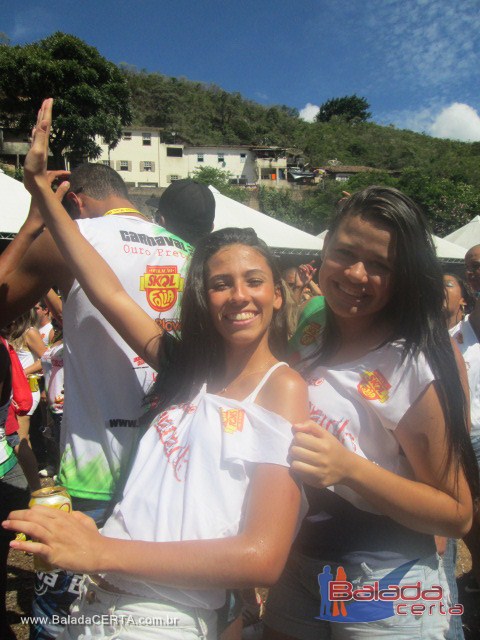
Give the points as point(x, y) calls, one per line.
point(374, 386)
point(232, 420)
point(162, 286)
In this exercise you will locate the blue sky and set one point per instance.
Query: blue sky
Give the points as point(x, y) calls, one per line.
point(417, 62)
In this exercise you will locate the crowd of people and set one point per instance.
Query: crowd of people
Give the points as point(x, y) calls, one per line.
point(227, 425)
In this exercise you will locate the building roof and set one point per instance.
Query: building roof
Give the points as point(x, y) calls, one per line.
point(348, 169)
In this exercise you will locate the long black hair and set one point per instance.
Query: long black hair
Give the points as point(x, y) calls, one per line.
point(414, 310)
point(199, 355)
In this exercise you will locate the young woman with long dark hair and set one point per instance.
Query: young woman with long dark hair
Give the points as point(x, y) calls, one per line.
point(210, 481)
point(386, 458)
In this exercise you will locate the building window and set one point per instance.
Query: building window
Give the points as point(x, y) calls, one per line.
point(199, 157)
point(175, 152)
point(172, 178)
point(221, 157)
point(147, 165)
point(127, 135)
point(146, 139)
point(106, 163)
point(123, 165)
point(243, 157)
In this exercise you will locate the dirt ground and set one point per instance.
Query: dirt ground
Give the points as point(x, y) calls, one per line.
point(20, 581)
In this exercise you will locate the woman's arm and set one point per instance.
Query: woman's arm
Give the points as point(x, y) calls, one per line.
point(438, 501)
point(94, 275)
point(55, 306)
point(254, 557)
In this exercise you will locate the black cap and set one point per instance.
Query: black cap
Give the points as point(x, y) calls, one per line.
point(188, 208)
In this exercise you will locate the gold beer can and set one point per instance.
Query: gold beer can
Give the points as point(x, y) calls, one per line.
point(57, 498)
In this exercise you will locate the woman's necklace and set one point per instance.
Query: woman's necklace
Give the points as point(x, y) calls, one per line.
point(123, 211)
point(245, 375)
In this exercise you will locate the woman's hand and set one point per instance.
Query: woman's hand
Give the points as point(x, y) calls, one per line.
point(318, 458)
point(306, 273)
point(35, 166)
point(67, 540)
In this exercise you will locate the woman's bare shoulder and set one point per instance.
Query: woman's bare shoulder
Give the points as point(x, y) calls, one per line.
point(285, 393)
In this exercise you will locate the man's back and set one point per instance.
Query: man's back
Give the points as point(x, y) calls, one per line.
point(105, 381)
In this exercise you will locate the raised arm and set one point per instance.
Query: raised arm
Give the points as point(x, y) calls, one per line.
point(55, 306)
point(94, 275)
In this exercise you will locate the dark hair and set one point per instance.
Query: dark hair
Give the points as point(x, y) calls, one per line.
point(414, 310)
point(199, 355)
point(98, 181)
point(467, 292)
point(43, 304)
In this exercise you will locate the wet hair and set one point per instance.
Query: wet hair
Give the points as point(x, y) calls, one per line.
point(199, 355)
point(98, 181)
point(467, 291)
point(414, 310)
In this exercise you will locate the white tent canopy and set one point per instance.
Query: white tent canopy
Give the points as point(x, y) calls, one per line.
point(14, 205)
point(229, 213)
point(467, 236)
point(448, 250)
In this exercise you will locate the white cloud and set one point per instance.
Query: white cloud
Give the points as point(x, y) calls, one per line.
point(309, 112)
point(458, 121)
point(432, 43)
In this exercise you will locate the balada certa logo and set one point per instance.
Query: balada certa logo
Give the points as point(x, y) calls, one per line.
point(342, 601)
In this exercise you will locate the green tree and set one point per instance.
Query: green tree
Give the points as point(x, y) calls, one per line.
point(91, 95)
point(351, 108)
point(448, 204)
point(221, 181)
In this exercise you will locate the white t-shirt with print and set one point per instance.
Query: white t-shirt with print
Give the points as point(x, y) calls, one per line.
point(45, 333)
point(105, 380)
point(362, 402)
point(52, 365)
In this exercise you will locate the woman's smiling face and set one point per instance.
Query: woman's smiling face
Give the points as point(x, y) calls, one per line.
point(357, 271)
point(242, 296)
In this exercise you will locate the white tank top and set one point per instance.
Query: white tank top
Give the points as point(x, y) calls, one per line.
point(190, 479)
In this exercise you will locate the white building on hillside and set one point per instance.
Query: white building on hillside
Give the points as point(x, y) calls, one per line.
point(145, 161)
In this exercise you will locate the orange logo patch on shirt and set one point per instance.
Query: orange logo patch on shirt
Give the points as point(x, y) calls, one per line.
point(374, 386)
point(310, 334)
point(232, 420)
point(161, 285)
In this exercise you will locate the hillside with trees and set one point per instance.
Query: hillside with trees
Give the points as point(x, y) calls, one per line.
point(442, 175)
point(95, 97)
point(204, 114)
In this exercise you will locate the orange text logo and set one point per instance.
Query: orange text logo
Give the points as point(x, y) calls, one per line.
point(374, 386)
point(162, 286)
point(232, 420)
